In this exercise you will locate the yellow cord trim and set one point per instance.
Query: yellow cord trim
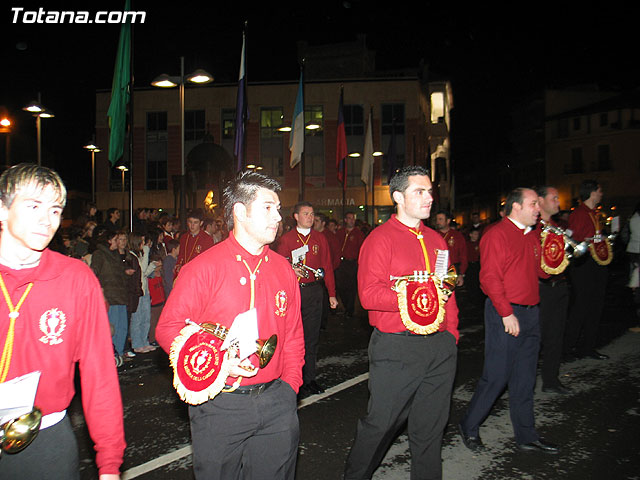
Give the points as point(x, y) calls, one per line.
point(7, 351)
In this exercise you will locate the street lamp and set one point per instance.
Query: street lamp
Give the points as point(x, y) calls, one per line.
point(93, 149)
point(165, 81)
point(123, 169)
point(38, 111)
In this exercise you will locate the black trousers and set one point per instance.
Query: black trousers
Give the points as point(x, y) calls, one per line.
point(246, 436)
point(347, 284)
point(508, 361)
point(554, 305)
point(410, 379)
point(53, 455)
point(589, 284)
point(311, 299)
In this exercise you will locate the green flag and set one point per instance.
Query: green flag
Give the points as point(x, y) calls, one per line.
point(120, 92)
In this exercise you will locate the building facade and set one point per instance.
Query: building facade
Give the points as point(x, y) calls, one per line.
point(408, 128)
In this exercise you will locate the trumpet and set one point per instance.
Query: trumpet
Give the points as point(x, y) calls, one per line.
point(264, 348)
point(17, 434)
point(577, 249)
point(318, 273)
point(446, 283)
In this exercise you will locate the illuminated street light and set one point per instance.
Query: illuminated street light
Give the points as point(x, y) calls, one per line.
point(38, 111)
point(93, 149)
point(165, 81)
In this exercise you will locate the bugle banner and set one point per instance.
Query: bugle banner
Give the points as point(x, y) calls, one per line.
point(554, 258)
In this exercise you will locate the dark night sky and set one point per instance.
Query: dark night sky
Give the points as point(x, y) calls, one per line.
point(493, 56)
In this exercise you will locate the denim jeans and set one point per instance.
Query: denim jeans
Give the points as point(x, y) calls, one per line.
point(118, 318)
point(140, 322)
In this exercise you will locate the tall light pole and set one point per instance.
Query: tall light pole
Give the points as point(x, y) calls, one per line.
point(123, 169)
point(38, 111)
point(5, 127)
point(165, 81)
point(93, 149)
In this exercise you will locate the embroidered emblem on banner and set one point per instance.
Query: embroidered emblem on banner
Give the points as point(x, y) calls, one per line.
point(554, 258)
point(52, 324)
point(281, 303)
point(601, 251)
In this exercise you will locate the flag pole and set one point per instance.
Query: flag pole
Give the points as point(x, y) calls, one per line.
point(131, 80)
point(303, 156)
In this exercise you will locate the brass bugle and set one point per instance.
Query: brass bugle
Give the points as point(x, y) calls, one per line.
point(577, 249)
point(17, 434)
point(318, 273)
point(264, 348)
point(447, 282)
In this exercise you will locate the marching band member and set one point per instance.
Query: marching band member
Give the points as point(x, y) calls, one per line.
point(53, 316)
point(554, 292)
point(350, 239)
point(588, 275)
point(509, 270)
point(313, 249)
point(250, 431)
point(193, 242)
point(455, 242)
point(410, 374)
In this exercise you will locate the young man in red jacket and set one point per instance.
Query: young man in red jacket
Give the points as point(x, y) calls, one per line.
point(53, 317)
point(254, 427)
point(509, 272)
point(313, 249)
point(410, 374)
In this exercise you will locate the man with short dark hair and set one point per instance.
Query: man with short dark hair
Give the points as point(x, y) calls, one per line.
point(350, 239)
point(411, 365)
point(112, 223)
point(589, 274)
point(194, 241)
point(251, 430)
point(455, 242)
point(509, 271)
point(554, 301)
point(52, 320)
point(307, 247)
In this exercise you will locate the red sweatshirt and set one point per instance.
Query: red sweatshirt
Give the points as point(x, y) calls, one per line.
point(192, 246)
point(582, 222)
point(392, 249)
point(457, 248)
point(318, 256)
point(215, 287)
point(63, 320)
point(350, 242)
point(510, 266)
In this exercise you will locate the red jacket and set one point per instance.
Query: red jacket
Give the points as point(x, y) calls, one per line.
point(63, 320)
point(334, 247)
point(318, 256)
point(350, 242)
point(215, 287)
point(392, 249)
point(457, 248)
point(192, 246)
point(510, 266)
point(582, 222)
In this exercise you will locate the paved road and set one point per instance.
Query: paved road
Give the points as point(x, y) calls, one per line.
point(597, 425)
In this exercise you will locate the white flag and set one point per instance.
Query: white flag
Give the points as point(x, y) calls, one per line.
point(367, 158)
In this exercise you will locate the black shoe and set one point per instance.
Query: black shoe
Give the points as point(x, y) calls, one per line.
point(559, 388)
point(472, 443)
point(597, 355)
point(538, 446)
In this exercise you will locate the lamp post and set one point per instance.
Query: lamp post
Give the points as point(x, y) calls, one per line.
point(93, 149)
point(5, 127)
point(123, 169)
point(38, 111)
point(165, 81)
